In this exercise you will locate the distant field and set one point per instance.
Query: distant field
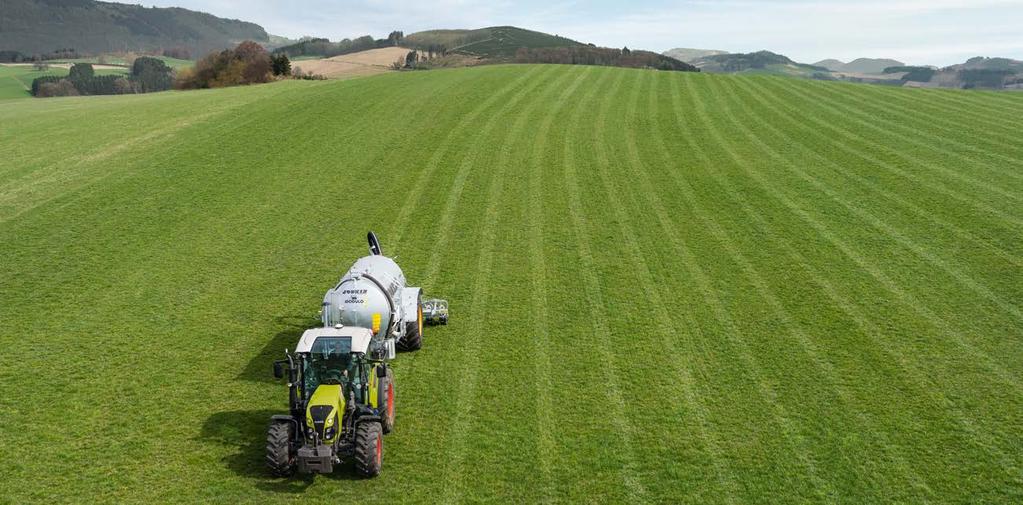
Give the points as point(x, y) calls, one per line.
point(16, 80)
point(665, 287)
point(117, 60)
point(362, 63)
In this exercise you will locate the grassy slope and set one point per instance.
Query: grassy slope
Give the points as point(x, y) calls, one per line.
point(16, 81)
point(669, 287)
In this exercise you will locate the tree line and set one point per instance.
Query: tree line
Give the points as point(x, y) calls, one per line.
point(147, 75)
point(602, 56)
point(324, 48)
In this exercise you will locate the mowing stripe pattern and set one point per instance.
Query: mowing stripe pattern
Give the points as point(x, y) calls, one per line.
point(664, 287)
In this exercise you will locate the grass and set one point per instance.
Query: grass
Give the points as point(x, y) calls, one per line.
point(16, 81)
point(665, 287)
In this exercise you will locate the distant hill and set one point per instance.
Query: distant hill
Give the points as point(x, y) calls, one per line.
point(90, 27)
point(689, 55)
point(831, 64)
point(758, 62)
point(860, 65)
point(492, 42)
point(870, 65)
point(983, 63)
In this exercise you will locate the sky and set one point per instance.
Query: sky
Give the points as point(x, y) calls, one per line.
point(935, 32)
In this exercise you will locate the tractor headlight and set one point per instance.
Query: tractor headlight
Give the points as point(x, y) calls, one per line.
point(331, 419)
point(328, 433)
point(309, 432)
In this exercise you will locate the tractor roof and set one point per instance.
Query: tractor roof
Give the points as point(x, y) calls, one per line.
point(360, 337)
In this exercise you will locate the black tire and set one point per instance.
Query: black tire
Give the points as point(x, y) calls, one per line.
point(280, 457)
point(413, 338)
point(369, 449)
point(387, 395)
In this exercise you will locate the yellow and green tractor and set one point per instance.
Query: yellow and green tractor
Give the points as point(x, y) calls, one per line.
point(341, 397)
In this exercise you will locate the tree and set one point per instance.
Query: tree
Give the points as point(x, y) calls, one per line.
point(280, 64)
point(411, 59)
point(41, 66)
point(80, 72)
point(151, 74)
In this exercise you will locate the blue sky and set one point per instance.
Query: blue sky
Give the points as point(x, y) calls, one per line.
point(938, 32)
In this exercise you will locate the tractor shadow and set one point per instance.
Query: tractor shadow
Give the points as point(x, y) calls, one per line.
point(260, 367)
point(245, 432)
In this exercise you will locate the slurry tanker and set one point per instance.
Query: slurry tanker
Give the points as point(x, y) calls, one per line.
point(341, 389)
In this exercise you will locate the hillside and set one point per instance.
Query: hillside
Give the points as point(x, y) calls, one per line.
point(689, 55)
point(665, 287)
point(493, 42)
point(90, 27)
point(760, 62)
point(870, 65)
point(830, 64)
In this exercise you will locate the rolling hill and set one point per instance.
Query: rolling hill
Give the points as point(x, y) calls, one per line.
point(760, 62)
point(665, 287)
point(91, 27)
point(492, 42)
point(860, 65)
point(690, 55)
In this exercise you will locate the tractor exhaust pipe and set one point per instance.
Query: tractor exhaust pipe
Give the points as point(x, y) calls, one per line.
point(374, 245)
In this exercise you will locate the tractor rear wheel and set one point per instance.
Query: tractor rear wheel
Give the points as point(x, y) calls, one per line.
point(280, 459)
point(386, 401)
point(413, 338)
point(369, 449)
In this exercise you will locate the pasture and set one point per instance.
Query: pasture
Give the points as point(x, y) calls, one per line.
point(664, 287)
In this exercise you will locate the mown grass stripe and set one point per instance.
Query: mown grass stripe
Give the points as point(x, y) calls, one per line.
point(655, 298)
point(477, 317)
point(942, 112)
point(938, 186)
point(808, 132)
point(431, 166)
point(931, 388)
point(595, 303)
point(851, 114)
point(989, 443)
point(546, 428)
point(876, 272)
point(964, 279)
point(944, 138)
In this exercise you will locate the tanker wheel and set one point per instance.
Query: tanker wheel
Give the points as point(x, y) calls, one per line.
point(280, 458)
point(369, 449)
point(386, 400)
point(413, 338)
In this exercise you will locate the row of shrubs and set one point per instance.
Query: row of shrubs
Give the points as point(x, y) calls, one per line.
point(147, 75)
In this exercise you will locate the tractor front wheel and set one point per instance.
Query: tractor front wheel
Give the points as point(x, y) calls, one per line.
point(280, 459)
point(369, 449)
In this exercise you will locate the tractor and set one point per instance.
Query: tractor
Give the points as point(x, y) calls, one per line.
point(341, 398)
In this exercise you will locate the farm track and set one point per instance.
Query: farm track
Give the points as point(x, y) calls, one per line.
point(665, 287)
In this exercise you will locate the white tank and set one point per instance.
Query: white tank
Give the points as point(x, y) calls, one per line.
point(369, 295)
point(372, 295)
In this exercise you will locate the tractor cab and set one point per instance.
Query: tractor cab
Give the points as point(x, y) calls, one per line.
point(342, 402)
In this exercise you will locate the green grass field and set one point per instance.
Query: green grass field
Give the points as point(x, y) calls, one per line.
point(665, 287)
point(16, 80)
